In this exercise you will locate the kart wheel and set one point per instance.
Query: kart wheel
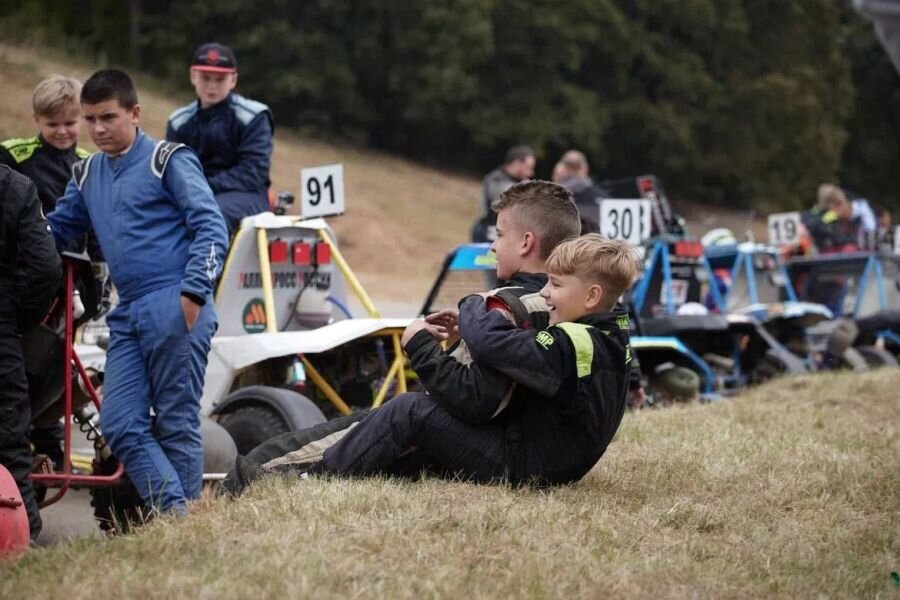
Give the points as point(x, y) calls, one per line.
point(118, 508)
point(877, 357)
point(767, 368)
point(255, 414)
point(252, 425)
point(771, 365)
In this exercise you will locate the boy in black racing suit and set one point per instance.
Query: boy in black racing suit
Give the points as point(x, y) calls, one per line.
point(533, 217)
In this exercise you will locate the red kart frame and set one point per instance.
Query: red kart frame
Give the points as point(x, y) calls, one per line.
point(67, 478)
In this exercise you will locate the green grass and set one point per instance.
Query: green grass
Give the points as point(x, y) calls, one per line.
point(792, 490)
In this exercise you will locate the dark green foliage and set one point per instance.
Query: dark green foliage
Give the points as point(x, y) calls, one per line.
point(742, 102)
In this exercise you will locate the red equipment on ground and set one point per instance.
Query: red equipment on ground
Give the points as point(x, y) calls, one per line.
point(14, 536)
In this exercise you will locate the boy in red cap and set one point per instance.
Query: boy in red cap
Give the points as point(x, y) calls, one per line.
point(231, 135)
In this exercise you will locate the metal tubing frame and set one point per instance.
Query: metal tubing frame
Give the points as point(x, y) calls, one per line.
point(265, 270)
point(717, 296)
point(66, 479)
point(667, 278)
point(396, 366)
point(640, 292)
point(326, 388)
point(349, 275)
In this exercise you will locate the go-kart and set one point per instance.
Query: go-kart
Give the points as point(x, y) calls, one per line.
point(677, 296)
point(861, 287)
point(288, 354)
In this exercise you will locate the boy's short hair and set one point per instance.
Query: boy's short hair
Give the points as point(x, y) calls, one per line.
point(54, 94)
point(517, 153)
point(110, 84)
point(544, 208)
point(596, 259)
point(828, 193)
point(575, 161)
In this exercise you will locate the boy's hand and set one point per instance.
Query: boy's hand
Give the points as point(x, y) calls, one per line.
point(449, 320)
point(436, 331)
point(191, 312)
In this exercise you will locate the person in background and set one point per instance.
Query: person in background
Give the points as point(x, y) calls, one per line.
point(573, 172)
point(517, 166)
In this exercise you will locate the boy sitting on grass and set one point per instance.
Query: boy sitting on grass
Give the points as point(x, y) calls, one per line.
point(577, 369)
point(533, 217)
point(573, 380)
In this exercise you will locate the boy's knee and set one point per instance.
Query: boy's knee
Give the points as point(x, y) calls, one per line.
point(408, 402)
point(119, 432)
point(185, 427)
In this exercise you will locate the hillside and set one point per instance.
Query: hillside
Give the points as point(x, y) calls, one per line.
point(401, 217)
point(790, 491)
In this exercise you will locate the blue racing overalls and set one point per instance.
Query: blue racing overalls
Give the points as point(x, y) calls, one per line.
point(163, 237)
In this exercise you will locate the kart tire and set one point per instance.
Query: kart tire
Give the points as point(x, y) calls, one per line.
point(252, 425)
point(118, 508)
point(253, 415)
point(877, 357)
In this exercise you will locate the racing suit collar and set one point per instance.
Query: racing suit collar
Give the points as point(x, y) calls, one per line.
point(605, 318)
point(124, 157)
point(526, 279)
point(211, 111)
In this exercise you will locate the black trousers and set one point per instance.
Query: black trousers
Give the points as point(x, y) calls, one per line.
point(15, 415)
point(412, 433)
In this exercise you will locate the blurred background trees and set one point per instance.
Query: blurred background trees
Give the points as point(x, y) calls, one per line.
point(752, 103)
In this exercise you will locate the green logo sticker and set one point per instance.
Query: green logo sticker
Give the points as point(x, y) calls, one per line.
point(544, 339)
point(486, 259)
point(254, 317)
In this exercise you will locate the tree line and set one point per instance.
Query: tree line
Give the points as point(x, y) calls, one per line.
point(749, 103)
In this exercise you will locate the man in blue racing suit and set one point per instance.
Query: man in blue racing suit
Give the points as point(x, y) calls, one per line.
point(164, 239)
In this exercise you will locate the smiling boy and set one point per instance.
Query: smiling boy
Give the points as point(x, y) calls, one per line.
point(577, 369)
point(231, 135)
point(47, 157)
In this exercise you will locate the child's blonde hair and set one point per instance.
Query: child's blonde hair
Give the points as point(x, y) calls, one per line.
point(54, 94)
point(595, 259)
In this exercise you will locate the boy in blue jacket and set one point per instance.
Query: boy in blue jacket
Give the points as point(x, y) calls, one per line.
point(231, 135)
point(164, 239)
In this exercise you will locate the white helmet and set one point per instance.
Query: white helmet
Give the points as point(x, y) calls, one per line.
point(719, 236)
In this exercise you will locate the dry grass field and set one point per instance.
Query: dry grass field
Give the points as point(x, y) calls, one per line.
point(790, 491)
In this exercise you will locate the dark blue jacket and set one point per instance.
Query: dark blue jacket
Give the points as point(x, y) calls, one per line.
point(232, 139)
point(154, 215)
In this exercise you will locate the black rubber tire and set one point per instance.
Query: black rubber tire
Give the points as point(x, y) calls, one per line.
point(251, 425)
point(118, 508)
point(766, 369)
point(876, 357)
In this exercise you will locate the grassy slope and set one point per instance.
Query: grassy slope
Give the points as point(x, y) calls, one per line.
point(401, 217)
point(790, 491)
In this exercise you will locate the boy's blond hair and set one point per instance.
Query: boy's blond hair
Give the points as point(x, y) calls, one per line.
point(54, 94)
point(543, 208)
point(595, 259)
point(828, 194)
